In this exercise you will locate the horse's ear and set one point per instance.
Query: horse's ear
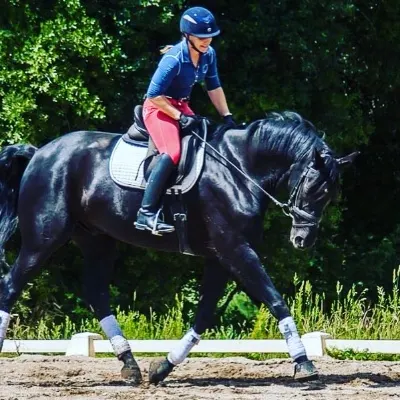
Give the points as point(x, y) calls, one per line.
point(319, 161)
point(349, 159)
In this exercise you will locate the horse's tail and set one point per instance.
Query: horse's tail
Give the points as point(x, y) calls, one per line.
point(13, 162)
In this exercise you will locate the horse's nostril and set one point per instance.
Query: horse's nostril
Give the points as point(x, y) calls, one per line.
point(299, 241)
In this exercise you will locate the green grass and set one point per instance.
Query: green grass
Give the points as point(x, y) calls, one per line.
point(350, 316)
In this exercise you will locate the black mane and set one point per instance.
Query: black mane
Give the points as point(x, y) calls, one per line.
point(285, 133)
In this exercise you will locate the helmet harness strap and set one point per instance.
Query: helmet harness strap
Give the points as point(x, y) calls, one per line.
point(186, 36)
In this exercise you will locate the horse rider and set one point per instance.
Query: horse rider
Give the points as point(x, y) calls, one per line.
point(166, 108)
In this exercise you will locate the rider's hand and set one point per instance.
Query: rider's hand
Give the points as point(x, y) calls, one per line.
point(229, 121)
point(188, 121)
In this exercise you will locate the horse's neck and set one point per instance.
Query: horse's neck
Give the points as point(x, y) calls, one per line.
point(278, 155)
point(267, 160)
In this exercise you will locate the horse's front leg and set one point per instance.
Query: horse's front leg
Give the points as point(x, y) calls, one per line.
point(246, 267)
point(215, 278)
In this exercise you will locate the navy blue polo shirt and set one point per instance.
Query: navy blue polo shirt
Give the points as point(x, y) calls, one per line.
point(176, 74)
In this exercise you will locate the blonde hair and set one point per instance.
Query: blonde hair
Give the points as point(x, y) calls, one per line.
point(166, 48)
point(169, 46)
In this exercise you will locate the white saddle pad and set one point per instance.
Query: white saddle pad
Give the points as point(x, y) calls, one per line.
point(127, 161)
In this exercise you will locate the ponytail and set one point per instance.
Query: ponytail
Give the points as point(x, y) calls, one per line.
point(166, 48)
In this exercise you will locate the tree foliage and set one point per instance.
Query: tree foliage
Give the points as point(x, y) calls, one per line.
point(83, 64)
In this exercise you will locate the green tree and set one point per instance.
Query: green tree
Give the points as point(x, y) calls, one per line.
point(51, 53)
point(70, 64)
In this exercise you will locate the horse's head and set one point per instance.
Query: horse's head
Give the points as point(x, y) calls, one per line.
point(312, 186)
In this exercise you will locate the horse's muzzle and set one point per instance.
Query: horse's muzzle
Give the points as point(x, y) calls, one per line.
point(303, 238)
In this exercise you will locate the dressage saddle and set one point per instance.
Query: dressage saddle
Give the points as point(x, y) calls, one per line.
point(137, 133)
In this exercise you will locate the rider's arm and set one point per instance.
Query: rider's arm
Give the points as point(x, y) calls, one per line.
point(167, 69)
point(165, 106)
point(213, 84)
point(218, 98)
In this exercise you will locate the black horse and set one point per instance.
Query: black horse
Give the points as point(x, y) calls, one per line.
point(63, 191)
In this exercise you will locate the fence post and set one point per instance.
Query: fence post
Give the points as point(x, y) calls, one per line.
point(81, 344)
point(315, 344)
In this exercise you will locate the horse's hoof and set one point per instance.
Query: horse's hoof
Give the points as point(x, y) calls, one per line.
point(159, 369)
point(305, 372)
point(131, 372)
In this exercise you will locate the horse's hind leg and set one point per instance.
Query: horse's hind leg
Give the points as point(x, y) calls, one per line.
point(99, 256)
point(40, 238)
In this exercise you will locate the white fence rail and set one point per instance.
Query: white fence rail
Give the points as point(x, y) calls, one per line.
point(88, 344)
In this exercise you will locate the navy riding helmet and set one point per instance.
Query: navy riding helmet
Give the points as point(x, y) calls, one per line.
point(199, 22)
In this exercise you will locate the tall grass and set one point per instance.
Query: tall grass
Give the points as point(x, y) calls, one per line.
point(350, 316)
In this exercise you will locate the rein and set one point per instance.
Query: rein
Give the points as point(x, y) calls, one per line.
point(290, 208)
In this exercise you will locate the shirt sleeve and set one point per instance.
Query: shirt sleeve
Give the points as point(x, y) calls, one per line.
point(212, 79)
point(168, 69)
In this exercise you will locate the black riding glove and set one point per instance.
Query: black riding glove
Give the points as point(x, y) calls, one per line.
point(188, 121)
point(229, 121)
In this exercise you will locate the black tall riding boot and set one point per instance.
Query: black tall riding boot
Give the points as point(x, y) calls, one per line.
point(148, 214)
